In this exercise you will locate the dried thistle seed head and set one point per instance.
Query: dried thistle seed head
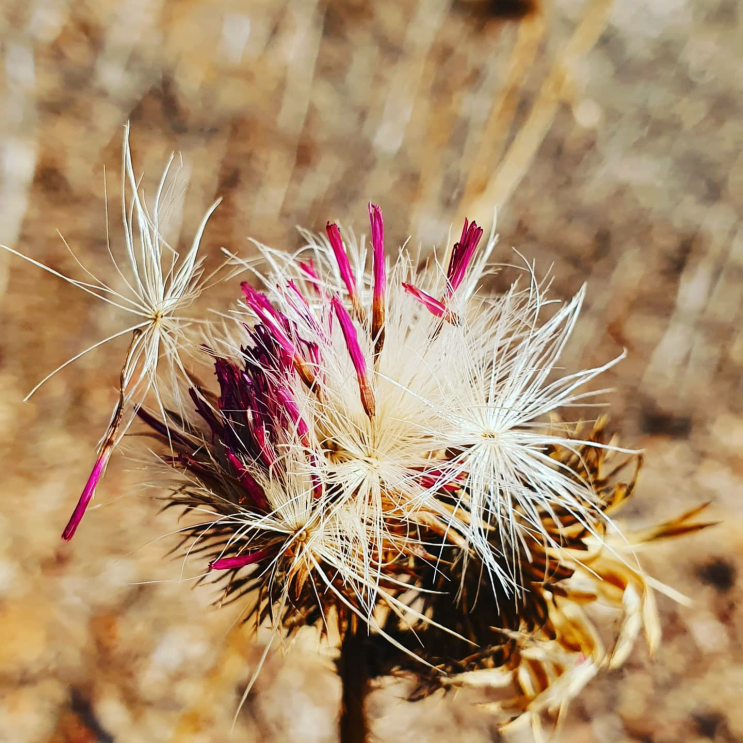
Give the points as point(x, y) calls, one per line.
point(416, 384)
point(374, 420)
point(386, 447)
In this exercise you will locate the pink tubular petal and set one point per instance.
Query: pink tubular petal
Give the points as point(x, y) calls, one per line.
point(349, 334)
point(267, 453)
point(257, 301)
point(240, 561)
point(356, 354)
point(309, 268)
point(292, 409)
point(276, 324)
point(377, 232)
point(344, 266)
point(432, 305)
point(87, 495)
point(462, 255)
point(380, 275)
point(301, 306)
point(269, 316)
point(252, 488)
point(296, 298)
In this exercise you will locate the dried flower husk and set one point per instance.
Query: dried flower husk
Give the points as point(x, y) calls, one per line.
point(540, 649)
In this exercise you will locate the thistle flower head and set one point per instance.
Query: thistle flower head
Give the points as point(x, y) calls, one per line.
point(386, 445)
point(359, 428)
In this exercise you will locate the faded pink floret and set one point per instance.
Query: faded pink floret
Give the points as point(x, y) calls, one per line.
point(349, 334)
point(301, 306)
point(430, 303)
point(87, 495)
point(313, 277)
point(292, 409)
point(297, 299)
point(356, 354)
point(377, 236)
point(461, 256)
point(274, 320)
point(269, 316)
point(256, 300)
point(309, 268)
point(240, 561)
point(380, 276)
point(249, 483)
point(341, 257)
point(277, 325)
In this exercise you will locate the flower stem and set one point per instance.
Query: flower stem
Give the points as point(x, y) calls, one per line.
point(354, 673)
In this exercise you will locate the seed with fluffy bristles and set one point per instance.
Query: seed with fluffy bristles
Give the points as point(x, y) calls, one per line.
point(160, 285)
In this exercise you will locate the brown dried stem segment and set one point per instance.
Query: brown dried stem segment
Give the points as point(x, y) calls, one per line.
point(353, 669)
point(109, 442)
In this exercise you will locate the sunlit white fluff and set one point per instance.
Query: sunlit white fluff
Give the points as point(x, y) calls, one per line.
point(498, 415)
point(159, 285)
point(463, 402)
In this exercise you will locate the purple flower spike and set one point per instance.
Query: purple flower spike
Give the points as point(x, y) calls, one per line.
point(461, 256)
point(277, 325)
point(341, 257)
point(273, 320)
point(240, 561)
point(253, 489)
point(380, 276)
point(432, 305)
point(87, 495)
point(357, 356)
point(292, 410)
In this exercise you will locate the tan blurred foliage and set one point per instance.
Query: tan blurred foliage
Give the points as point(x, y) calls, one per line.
point(610, 138)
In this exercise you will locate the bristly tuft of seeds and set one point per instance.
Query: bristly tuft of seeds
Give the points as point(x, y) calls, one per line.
point(385, 447)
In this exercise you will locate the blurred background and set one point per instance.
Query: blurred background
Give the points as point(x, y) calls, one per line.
point(610, 138)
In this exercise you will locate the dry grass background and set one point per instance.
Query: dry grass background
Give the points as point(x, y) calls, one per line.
point(611, 137)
